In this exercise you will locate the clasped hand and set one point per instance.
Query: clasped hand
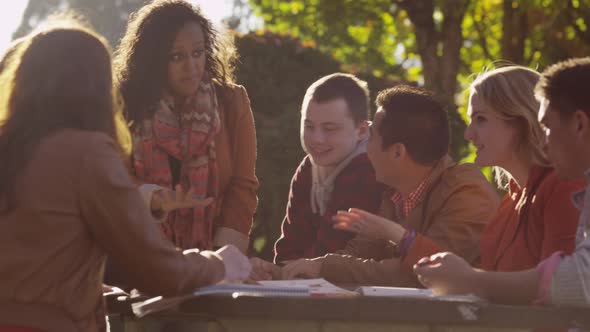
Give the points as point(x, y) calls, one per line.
point(299, 268)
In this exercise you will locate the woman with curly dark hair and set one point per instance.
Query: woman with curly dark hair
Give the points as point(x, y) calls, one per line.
point(66, 198)
point(193, 129)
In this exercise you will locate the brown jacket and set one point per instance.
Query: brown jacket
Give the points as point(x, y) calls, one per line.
point(76, 203)
point(236, 159)
point(457, 205)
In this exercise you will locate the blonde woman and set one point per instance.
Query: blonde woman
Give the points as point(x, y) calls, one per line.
point(536, 217)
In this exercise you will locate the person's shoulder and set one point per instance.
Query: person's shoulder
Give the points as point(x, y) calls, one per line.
point(76, 141)
point(465, 177)
point(464, 173)
point(303, 171)
point(234, 99)
point(231, 88)
point(553, 184)
point(231, 91)
point(71, 149)
point(360, 166)
point(466, 184)
point(361, 159)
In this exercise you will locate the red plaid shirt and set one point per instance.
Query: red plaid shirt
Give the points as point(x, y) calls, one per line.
point(405, 206)
point(306, 234)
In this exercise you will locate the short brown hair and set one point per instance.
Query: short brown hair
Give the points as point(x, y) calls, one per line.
point(416, 119)
point(565, 86)
point(339, 85)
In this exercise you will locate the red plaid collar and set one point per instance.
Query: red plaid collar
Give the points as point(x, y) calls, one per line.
point(409, 203)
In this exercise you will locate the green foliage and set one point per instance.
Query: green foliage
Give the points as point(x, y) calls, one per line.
point(382, 35)
point(550, 31)
point(378, 36)
point(276, 70)
point(375, 39)
point(350, 30)
point(374, 36)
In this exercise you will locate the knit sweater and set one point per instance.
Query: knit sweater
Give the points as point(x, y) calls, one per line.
point(306, 234)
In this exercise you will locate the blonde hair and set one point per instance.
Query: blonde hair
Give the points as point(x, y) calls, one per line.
point(509, 93)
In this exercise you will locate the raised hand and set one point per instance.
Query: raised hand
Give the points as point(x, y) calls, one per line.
point(367, 224)
point(168, 200)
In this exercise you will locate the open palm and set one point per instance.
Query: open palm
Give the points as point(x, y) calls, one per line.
point(170, 200)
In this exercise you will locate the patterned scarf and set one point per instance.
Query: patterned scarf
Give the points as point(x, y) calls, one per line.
point(187, 133)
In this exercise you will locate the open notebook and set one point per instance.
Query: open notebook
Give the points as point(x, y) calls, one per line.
point(290, 288)
point(278, 288)
point(315, 287)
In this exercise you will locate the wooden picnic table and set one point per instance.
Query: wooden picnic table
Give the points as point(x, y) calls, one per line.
point(361, 313)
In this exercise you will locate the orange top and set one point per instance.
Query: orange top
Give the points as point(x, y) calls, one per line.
point(521, 235)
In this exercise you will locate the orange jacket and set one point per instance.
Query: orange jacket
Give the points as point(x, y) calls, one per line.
point(519, 238)
point(236, 159)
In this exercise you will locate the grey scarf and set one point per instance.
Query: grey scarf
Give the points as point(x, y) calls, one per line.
point(323, 183)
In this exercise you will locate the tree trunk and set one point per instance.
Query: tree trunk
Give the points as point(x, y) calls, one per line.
point(440, 52)
point(514, 32)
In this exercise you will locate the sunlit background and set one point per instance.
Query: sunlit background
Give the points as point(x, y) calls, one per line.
point(12, 13)
point(285, 45)
point(10, 17)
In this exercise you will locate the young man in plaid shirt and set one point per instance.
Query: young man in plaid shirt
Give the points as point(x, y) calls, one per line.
point(335, 174)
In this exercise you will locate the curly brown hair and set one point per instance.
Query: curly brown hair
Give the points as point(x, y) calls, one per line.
point(142, 56)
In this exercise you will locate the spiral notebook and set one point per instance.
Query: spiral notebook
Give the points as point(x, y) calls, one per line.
point(316, 287)
point(160, 303)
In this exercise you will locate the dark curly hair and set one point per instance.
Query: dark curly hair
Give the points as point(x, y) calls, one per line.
point(142, 56)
